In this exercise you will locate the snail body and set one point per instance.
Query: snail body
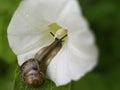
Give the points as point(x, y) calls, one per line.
point(33, 70)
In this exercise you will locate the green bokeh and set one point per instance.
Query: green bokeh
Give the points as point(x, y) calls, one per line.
point(104, 19)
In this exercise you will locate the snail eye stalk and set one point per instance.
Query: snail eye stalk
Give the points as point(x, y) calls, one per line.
point(52, 34)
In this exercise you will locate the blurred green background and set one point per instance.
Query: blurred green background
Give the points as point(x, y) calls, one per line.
point(104, 19)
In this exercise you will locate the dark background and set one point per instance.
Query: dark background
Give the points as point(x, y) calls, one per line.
point(104, 20)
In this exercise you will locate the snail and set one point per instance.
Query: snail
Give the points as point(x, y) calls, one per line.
point(33, 70)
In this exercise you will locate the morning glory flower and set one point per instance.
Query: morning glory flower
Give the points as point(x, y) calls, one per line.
point(30, 28)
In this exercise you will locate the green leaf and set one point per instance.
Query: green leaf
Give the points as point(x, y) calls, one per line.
point(48, 84)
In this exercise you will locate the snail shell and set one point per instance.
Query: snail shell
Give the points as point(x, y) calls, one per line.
point(31, 74)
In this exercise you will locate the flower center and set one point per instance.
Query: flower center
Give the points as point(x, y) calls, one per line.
point(58, 30)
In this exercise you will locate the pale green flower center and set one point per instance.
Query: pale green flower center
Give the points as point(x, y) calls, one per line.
point(58, 30)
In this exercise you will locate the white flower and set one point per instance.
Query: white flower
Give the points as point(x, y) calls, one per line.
point(30, 28)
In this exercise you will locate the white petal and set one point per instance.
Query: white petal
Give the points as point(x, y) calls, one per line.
point(71, 17)
point(25, 38)
point(80, 54)
point(58, 70)
point(28, 31)
point(78, 30)
point(39, 12)
point(70, 64)
point(79, 33)
point(81, 62)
